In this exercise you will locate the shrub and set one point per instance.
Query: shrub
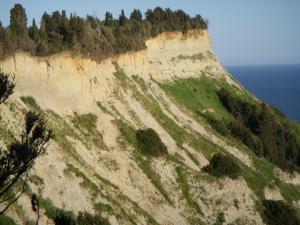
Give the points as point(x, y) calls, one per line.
point(221, 165)
point(220, 219)
point(150, 143)
point(85, 218)
point(278, 213)
point(64, 218)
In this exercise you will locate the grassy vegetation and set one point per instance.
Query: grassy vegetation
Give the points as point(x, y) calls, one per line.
point(145, 164)
point(179, 134)
point(6, 134)
point(86, 125)
point(194, 58)
point(48, 206)
point(114, 207)
point(183, 183)
point(62, 130)
point(198, 95)
point(86, 182)
point(103, 108)
point(31, 103)
point(5, 220)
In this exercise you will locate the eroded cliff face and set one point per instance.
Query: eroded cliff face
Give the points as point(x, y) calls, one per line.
point(71, 83)
point(93, 108)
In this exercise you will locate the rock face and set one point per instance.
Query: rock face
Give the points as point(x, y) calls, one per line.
point(71, 83)
point(94, 107)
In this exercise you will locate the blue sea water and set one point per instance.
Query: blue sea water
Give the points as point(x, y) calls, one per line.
point(278, 85)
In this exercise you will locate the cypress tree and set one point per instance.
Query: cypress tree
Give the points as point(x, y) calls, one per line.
point(33, 31)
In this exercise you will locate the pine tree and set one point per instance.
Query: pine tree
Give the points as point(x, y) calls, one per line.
point(108, 19)
point(136, 15)
point(122, 18)
point(33, 31)
point(18, 21)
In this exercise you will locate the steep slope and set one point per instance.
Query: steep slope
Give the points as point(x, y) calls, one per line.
point(94, 163)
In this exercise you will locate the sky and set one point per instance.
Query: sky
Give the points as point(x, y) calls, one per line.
point(243, 32)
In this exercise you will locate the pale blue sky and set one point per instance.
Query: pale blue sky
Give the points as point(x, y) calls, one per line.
point(243, 32)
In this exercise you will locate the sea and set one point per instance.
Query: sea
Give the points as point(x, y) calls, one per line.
point(277, 85)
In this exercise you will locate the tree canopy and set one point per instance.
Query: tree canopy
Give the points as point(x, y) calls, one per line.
point(91, 36)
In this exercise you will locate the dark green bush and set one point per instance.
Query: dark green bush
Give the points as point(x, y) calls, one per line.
point(150, 143)
point(221, 165)
point(85, 218)
point(64, 218)
point(279, 213)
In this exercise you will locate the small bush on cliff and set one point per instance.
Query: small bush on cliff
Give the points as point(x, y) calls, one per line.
point(278, 213)
point(221, 165)
point(64, 218)
point(150, 143)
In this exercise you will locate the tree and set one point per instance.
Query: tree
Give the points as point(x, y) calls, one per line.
point(33, 31)
point(19, 157)
point(136, 15)
point(18, 20)
point(18, 27)
point(122, 18)
point(2, 32)
point(278, 213)
point(108, 19)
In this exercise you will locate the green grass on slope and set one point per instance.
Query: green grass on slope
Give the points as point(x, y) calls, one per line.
point(144, 163)
point(30, 102)
point(5, 220)
point(199, 94)
point(86, 125)
point(182, 181)
point(116, 205)
point(179, 134)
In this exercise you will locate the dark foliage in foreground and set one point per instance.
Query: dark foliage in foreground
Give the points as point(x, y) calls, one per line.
point(263, 129)
point(19, 157)
point(7, 86)
point(90, 36)
point(150, 143)
point(278, 213)
point(221, 165)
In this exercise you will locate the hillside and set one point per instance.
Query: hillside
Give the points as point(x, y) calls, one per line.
point(96, 163)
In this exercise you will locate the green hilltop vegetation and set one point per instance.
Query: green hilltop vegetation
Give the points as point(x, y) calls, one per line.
point(91, 36)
